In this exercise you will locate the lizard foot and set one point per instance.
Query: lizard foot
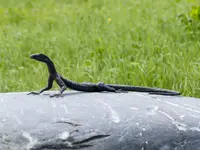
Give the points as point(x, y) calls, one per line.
point(121, 91)
point(33, 93)
point(56, 95)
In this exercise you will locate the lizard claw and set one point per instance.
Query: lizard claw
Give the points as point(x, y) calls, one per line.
point(33, 93)
point(56, 95)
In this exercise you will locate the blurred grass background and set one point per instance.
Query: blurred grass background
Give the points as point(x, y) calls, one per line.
point(138, 42)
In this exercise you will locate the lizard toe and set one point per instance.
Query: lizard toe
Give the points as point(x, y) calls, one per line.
point(33, 93)
point(55, 95)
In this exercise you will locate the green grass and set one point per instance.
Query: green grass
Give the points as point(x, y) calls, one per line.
point(113, 41)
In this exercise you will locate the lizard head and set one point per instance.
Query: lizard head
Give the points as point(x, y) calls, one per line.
point(40, 57)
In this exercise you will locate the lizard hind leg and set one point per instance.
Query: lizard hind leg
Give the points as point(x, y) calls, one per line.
point(121, 91)
point(103, 87)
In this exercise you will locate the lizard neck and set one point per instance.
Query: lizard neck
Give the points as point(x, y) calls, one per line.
point(51, 67)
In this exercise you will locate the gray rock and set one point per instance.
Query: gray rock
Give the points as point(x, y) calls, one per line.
point(99, 121)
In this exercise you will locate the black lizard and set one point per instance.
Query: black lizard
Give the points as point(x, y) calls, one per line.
point(89, 87)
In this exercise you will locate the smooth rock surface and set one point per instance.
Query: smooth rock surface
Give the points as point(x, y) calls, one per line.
point(99, 121)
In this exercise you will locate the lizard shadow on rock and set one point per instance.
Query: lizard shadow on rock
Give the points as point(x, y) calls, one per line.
point(79, 92)
point(68, 94)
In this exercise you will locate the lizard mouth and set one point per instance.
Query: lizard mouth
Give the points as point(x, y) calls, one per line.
point(35, 56)
point(32, 56)
point(40, 57)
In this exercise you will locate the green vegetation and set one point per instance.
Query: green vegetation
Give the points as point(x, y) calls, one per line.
point(147, 43)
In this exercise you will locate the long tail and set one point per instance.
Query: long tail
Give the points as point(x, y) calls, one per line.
point(150, 90)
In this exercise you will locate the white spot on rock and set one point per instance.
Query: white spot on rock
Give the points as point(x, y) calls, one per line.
point(31, 140)
point(182, 116)
point(137, 123)
point(22, 112)
point(176, 105)
point(179, 125)
point(64, 135)
point(133, 108)
point(65, 108)
point(153, 111)
point(53, 104)
point(195, 129)
point(3, 120)
point(114, 115)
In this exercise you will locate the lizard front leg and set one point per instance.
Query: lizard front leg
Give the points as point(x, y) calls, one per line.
point(49, 86)
point(62, 87)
